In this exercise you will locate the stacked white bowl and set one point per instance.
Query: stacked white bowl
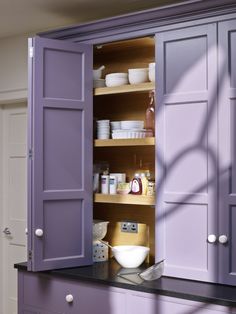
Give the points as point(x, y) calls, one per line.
point(115, 125)
point(151, 71)
point(137, 76)
point(103, 129)
point(116, 79)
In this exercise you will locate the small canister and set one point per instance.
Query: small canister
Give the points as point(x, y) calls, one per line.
point(113, 184)
point(151, 188)
point(105, 184)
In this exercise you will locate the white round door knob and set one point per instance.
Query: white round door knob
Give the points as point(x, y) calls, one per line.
point(39, 232)
point(212, 238)
point(26, 231)
point(69, 298)
point(223, 239)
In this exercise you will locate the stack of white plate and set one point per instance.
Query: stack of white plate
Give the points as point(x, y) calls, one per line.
point(103, 129)
point(129, 129)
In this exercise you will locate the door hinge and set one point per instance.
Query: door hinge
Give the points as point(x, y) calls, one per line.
point(29, 255)
point(30, 153)
point(31, 52)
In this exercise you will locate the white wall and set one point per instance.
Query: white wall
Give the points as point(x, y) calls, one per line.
point(13, 88)
point(1, 208)
point(13, 68)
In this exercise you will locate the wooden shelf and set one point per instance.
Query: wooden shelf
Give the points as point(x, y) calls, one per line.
point(148, 141)
point(124, 199)
point(124, 89)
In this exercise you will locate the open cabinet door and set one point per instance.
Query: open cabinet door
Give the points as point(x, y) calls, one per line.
point(60, 154)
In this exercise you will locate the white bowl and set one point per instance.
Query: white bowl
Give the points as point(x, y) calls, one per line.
point(137, 76)
point(99, 229)
point(117, 81)
point(117, 75)
point(130, 256)
point(152, 65)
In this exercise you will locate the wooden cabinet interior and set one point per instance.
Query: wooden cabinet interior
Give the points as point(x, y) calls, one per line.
point(125, 158)
point(123, 55)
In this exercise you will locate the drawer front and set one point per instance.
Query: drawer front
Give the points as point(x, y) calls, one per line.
point(54, 294)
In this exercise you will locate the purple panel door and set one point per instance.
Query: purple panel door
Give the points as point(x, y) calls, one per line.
point(60, 189)
point(227, 152)
point(186, 142)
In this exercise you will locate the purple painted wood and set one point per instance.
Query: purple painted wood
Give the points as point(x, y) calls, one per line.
point(49, 296)
point(227, 150)
point(61, 190)
point(46, 294)
point(186, 141)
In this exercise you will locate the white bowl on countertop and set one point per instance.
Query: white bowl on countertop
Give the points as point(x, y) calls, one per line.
point(130, 256)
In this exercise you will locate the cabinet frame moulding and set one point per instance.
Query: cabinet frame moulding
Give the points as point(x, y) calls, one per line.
point(148, 141)
point(129, 88)
point(125, 199)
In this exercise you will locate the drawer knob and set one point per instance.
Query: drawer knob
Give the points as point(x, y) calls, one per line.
point(212, 238)
point(69, 298)
point(223, 239)
point(39, 233)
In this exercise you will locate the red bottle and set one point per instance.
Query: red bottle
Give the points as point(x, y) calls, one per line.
point(150, 113)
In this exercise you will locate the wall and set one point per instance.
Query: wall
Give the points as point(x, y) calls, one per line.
point(13, 65)
point(1, 205)
point(13, 88)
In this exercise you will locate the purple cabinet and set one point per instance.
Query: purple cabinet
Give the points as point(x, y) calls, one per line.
point(41, 294)
point(227, 152)
point(60, 168)
point(186, 144)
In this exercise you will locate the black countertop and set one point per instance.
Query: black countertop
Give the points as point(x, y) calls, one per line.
point(106, 273)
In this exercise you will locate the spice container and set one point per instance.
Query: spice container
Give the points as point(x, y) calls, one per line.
point(112, 184)
point(151, 188)
point(105, 184)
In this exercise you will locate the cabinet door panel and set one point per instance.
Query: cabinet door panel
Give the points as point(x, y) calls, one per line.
point(186, 142)
point(227, 150)
point(60, 171)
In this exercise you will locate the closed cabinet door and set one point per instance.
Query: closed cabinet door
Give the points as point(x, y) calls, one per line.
point(186, 141)
point(60, 154)
point(227, 152)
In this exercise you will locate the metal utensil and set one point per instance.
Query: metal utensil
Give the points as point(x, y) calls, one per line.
point(151, 273)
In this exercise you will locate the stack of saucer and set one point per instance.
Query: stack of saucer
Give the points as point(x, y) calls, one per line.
point(103, 129)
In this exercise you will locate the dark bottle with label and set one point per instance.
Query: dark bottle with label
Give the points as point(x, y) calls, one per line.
point(150, 113)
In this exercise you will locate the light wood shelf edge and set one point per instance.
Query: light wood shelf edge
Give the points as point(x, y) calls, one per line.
point(129, 88)
point(148, 141)
point(124, 199)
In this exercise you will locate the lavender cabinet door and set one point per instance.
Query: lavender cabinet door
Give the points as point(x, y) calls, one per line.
point(60, 170)
point(227, 151)
point(186, 141)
